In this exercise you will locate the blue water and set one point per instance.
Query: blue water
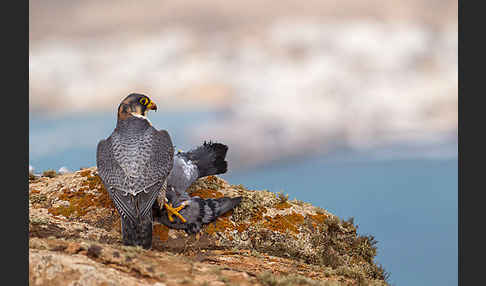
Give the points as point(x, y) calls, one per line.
point(408, 205)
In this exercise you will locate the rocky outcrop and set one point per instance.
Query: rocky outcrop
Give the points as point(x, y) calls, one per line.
point(75, 239)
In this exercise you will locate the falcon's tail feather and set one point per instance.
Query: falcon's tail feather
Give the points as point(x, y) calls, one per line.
point(137, 234)
point(209, 158)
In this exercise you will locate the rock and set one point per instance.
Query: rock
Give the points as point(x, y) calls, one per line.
point(75, 237)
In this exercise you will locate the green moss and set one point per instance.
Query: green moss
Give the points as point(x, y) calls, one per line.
point(209, 182)
point(253, 206)
point(38, 198)
point(38, 221)
point(335, 244)
point(339, 246)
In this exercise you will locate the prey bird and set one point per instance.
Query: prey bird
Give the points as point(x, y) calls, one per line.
point(192, 212)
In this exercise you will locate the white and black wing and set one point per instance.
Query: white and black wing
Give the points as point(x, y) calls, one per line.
point(198, 212)
point(207, 159)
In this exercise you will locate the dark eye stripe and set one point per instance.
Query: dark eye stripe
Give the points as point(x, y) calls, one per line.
point(144, 101)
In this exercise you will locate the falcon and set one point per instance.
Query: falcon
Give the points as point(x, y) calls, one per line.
point(192, 212)
point(134, 163)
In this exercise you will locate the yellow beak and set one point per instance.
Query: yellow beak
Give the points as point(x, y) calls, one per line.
point(152, 105)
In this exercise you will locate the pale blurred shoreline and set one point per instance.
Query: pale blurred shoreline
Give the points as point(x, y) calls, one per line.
point(286, 79)
point(71, 141)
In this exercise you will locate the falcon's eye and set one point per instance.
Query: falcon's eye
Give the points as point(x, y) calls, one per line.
point(144, 101)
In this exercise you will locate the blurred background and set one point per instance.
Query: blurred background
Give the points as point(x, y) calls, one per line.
point(351, 106)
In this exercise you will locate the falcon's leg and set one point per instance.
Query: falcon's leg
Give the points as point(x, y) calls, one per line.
point(175, 211)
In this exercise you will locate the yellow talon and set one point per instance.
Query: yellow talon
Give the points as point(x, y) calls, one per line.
point(174, 211)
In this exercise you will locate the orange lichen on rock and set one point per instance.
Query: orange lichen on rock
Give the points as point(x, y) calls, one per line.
point(80, 201)
point(227, 214)
point(258, 215)
point(117, 225)
point(220, 225)
point(320, 218)
point(207, 194)
point(242, 227)
point(282, 223)
point(317, 220)
point(161, 232)
point(104, 200)
point(211, 179)
point(34, 191)
point(85, 172)
point(93, 182)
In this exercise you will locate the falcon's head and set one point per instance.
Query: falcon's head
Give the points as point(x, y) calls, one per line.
point(135, 104)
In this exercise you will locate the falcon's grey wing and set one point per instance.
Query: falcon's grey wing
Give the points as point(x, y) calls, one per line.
point(133, 164)
point(144, 154)
point(198, 212)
